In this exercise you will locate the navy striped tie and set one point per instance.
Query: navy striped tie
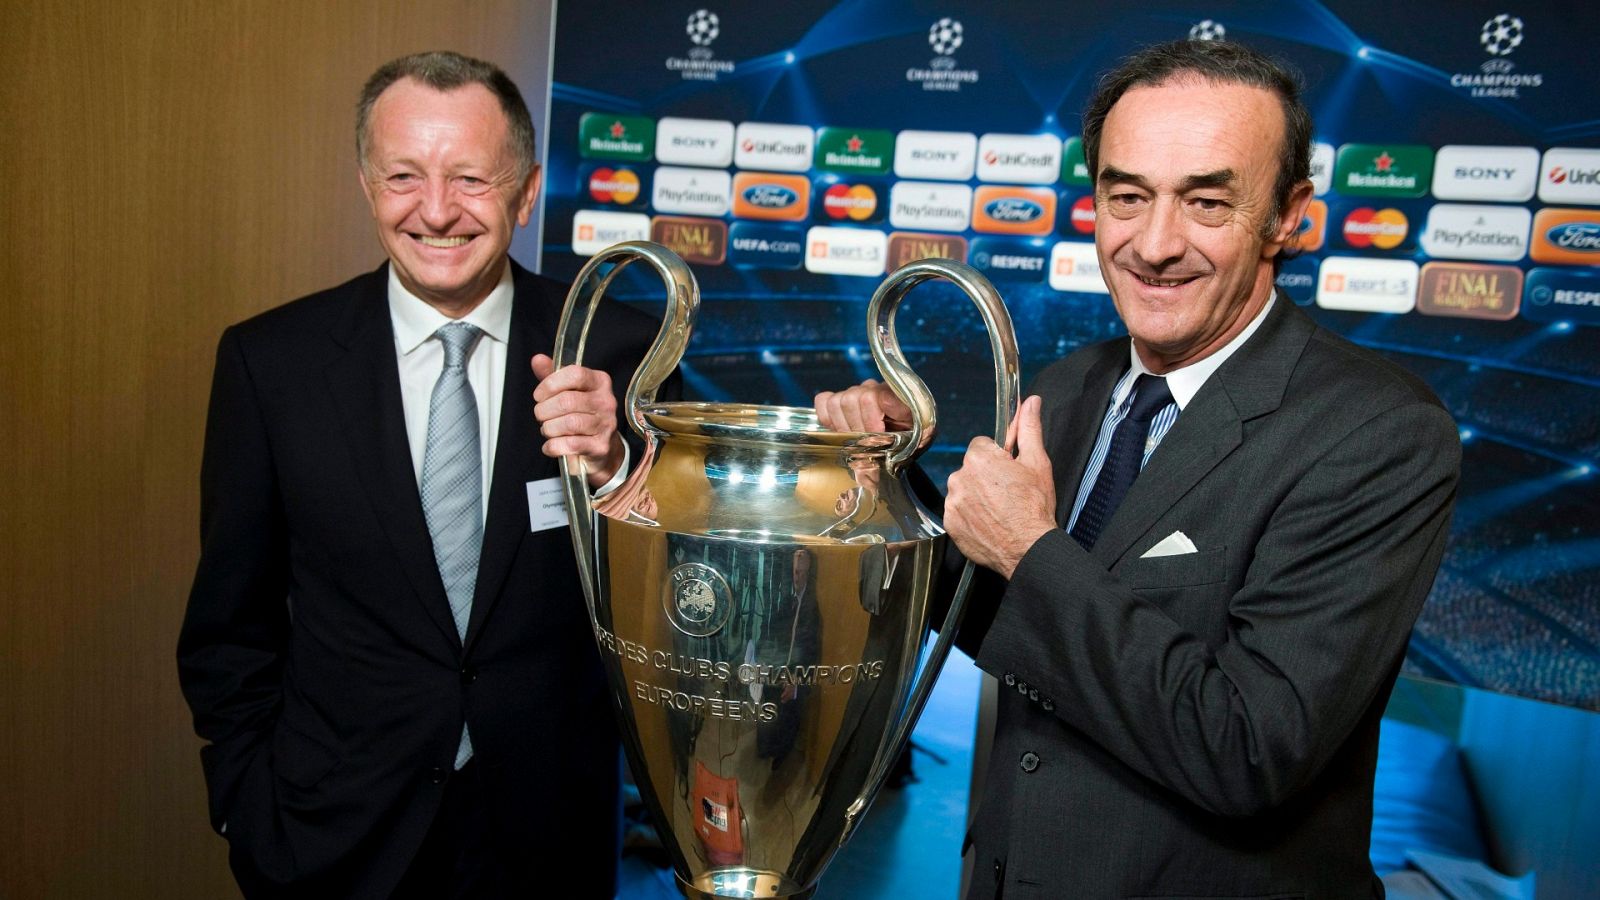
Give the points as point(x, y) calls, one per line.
point(1123, 458)
point(452, 483)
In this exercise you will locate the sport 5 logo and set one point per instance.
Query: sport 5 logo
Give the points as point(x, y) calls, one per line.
point(1566, 236)
point(764, 195)
point(1013, 210)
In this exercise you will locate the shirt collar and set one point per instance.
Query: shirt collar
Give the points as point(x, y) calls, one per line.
point(415, 321)
point(1185, 382)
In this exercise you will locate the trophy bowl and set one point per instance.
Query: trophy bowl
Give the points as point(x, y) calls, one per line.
point(761, 590)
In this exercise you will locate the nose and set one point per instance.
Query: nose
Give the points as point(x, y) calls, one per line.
point(1160, 240)
point(439, 208)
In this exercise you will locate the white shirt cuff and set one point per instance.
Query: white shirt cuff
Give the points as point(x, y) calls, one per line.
point(621, 476)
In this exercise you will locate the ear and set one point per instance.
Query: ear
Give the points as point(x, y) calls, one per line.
point(367, 189)
point(528, 196)
point(1294, 212)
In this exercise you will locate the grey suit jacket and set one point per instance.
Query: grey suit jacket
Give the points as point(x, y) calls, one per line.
point(1205, 725)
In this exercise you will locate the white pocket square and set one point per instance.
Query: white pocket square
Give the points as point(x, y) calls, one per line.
point(1174, 544)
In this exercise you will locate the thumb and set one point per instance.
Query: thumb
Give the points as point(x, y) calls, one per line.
point(1030, 433)
point(543, 365)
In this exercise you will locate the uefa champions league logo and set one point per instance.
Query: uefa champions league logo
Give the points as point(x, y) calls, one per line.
point(703, 27)
point(701, 64)
point(1207, 30)
point(943, 73)
point(1501, 34)
point(1498, 77)
point(944, 36)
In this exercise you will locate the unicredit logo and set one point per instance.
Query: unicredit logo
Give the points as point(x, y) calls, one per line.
point(1583, 237)
point(1011, 209)
point(769, 196)
point(1563, 175)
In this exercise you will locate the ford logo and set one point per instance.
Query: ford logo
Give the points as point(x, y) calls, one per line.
point(770, 196)
point(1012, 209)
point(1583, 237)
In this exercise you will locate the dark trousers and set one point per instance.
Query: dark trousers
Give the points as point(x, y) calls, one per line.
point(462, 857)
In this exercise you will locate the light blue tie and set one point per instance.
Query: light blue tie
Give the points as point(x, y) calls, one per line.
point(452, 483)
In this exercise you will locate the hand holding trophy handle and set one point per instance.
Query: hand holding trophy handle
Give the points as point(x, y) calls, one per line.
point(683, 304)
point(914, 393)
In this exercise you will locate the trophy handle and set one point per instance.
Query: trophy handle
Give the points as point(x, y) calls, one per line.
point(914, 393)
point(683, 303)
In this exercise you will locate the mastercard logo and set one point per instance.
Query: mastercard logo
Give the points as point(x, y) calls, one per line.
point(613, 185)
point(1013, 210)
point(1384, 229)
point(1082, 215)
point(763, 195)
point(856, 202)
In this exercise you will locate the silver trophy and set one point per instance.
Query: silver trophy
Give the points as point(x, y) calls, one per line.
point(760, 593)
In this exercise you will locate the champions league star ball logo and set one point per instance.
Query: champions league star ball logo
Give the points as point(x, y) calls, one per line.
point(1207, 30)
point(703, 27)
point(945, 36)
point(1501, 34)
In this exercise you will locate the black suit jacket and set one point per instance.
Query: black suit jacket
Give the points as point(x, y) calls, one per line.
point(1206, 724)
point(318, 653)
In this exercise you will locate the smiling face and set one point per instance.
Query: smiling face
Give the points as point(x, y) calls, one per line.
point(1185, 227)
point(443, 184)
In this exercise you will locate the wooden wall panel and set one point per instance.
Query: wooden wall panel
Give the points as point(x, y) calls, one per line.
point(169, 168)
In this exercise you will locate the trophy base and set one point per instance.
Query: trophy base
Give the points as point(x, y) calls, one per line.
point(745, 883)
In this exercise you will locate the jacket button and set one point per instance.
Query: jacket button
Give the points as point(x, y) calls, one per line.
point(438, 774)
point(1048, 704)
point(469, 675)
point(1022, 687)
point(1030, 761)
point(997, 870)
point(1033, 694)
point(1010, 680)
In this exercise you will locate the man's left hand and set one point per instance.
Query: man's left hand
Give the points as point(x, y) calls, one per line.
point(577, 415)
point(997, 505)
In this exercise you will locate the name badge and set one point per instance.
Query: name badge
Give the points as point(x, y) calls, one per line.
point(547, 505)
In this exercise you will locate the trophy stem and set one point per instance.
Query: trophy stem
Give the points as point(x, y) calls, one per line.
point(749, 884)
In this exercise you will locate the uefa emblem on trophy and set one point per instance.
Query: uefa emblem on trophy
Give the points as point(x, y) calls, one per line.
point(760, 591)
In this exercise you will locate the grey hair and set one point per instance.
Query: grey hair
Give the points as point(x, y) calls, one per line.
point(444, 70)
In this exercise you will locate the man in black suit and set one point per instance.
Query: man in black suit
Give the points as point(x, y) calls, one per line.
point(1206, 556)
point(386, 647)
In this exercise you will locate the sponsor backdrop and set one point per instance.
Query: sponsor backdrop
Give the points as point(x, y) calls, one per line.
point(795, 158)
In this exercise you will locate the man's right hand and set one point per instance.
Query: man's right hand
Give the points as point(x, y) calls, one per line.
point(869, 406)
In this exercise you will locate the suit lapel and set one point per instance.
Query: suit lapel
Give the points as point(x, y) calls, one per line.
point(1073, 424)
point(517, 457)
point(1250, 384)
point(365, 385)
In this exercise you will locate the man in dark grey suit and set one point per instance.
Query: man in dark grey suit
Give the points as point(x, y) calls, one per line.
point(1211, 544)
point(386, 648)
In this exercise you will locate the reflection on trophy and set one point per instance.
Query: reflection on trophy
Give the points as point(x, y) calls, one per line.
point(760, 593)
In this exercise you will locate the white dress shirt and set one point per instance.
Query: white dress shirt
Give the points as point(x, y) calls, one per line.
point(1184, 383)
point(421, 358)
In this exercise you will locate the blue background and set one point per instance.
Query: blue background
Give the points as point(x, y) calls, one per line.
point(1516, 606)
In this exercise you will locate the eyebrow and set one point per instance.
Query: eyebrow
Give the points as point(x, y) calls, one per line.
point(1216, 179)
